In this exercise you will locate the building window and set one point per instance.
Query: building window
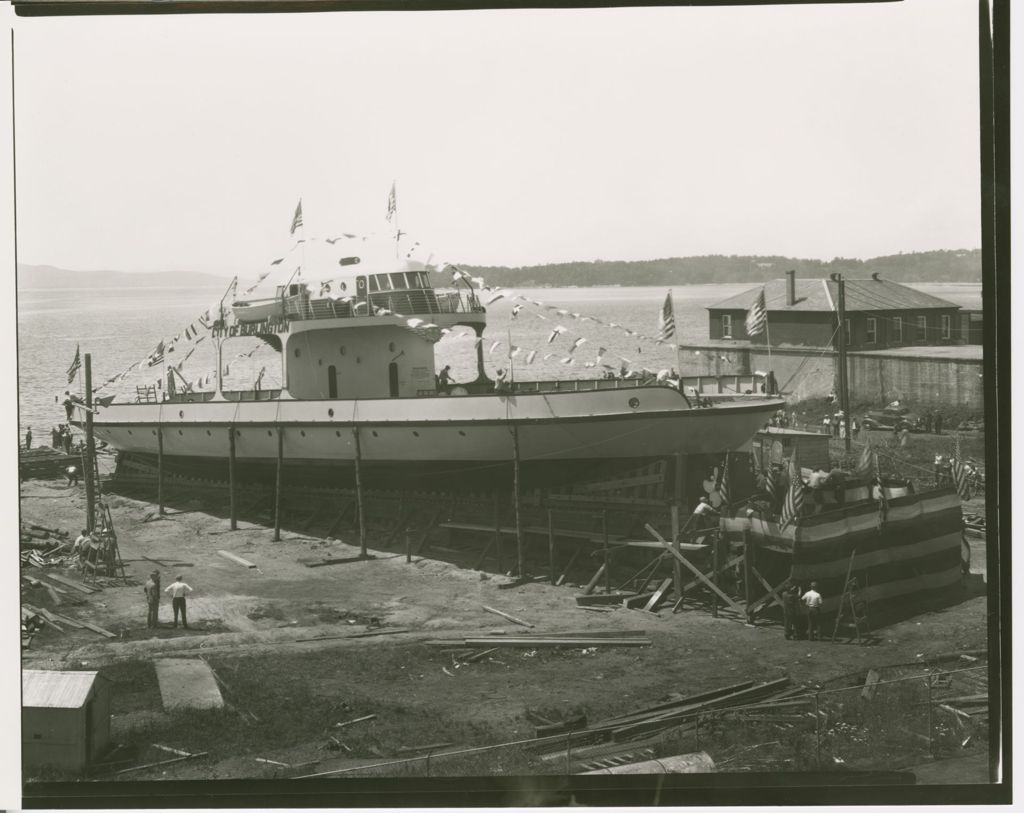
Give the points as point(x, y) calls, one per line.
point(849, 332)
point(872, 328)
point(947, 326)
point(726, 326)
point(897, 330)
point(922, 328)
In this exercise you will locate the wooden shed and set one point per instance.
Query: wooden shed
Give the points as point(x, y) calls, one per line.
point(65, 719)
point(775, 445)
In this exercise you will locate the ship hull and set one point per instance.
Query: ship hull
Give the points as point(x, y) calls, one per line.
point(436, 437)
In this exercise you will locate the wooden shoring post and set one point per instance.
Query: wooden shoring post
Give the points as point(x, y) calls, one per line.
point(748, 573)
point(277, 484)
point(716, 560)
point(90, 450)
point(607, 552)
point(231, 478)
point(497, 530)
point(359, 493)
point(569, 564)
point(677, 570)
point(520, 543)
point(551, 547)
point(160, 470)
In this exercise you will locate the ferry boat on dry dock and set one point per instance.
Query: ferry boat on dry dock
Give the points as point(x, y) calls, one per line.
point(358, 380)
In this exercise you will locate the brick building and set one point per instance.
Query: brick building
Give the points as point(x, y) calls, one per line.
point(879, 315)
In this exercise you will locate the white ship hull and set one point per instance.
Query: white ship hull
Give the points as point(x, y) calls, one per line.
point(551, 427)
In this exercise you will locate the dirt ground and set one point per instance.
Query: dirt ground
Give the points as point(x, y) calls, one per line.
point(250, 624)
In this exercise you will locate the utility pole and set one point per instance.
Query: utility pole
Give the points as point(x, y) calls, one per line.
point(844, 381)
point(90, 449)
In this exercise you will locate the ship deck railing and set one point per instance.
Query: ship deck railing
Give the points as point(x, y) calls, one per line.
point(303, 307)
point(707, 389)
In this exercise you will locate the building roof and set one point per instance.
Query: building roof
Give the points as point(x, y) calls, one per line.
point(819, 295)
point(56, 690)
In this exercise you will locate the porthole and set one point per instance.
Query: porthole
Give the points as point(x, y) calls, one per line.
point(634, 403)
point(154, 431)
point(374, 432)
point(298, 352)
point(330, 413)
point(302, 432)
point(462, 433)
point(415, 434)
point(391, 346)
point(181, 413)
point(341, 350)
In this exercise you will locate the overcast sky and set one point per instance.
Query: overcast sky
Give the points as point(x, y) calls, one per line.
point(515, 137)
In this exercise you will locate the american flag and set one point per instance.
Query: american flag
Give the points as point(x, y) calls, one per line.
point(772, 486)
point(76, 364)
point(392, 203)
point(794, 497)
point(757, 316)
point(867, 465)
point(723, 483)
point(666, 320)
point(960, 480)
point(296, 220)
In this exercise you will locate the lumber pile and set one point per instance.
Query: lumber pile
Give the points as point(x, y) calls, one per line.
point(44, 462)
point(44, 547)
point(975, 523)
point(604, 742)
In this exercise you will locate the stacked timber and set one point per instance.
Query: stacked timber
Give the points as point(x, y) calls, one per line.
point(632, 734)
point(44, 462)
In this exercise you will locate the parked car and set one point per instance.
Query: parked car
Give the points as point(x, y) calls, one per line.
point(892, 417)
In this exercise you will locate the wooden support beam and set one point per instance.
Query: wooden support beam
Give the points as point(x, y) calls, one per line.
point(160, 470)
point(520, 542)
point(773, 593)
point(551, 548)
point(652, 566)
point(593, 582)
point(607, 560)
point(659, 595)
point(231, 478)
point(359, 493)
point(569, 564)
point(277, 485)
point(693, 569)
point(748, 572)
point(497, 530)
point(511, 618)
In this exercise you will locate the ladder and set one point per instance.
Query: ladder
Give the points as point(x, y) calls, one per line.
point(108, 557)
point(852, 608)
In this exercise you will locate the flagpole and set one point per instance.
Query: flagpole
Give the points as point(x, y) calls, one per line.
point(768, 343)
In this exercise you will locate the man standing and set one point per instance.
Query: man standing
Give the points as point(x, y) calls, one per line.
point(71, 472)
point(938, 422)
point(152, 592)
point(790, 611)
point(28, 438)
point(812, 601)
point(178, 591)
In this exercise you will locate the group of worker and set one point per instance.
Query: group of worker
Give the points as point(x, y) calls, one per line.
point(178, 590)
point(801, 613)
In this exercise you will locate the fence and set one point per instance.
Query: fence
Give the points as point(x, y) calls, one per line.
point(891, 724)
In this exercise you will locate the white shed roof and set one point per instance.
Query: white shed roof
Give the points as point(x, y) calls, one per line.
point(59, 690)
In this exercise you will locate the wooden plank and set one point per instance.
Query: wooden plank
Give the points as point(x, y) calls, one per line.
point(511, 618)
point(659, 595)
point(602, 598)
point(772, 596)
point(707, 582)
point(235, 558)
point(594, 580)
point(71, 583)
point(638, 601)
point(90, 626)
point(68, 621)
point(356, 720)
point(161, 764)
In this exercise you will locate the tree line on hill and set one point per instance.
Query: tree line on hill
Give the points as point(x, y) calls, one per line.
point(925, 266)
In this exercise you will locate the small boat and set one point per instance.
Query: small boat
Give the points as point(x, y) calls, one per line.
point(357, 366)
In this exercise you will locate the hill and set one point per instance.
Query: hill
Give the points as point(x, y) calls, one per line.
point(47, 276)
point(928, 266)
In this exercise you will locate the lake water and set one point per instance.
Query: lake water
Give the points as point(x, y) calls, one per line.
point(119, 327)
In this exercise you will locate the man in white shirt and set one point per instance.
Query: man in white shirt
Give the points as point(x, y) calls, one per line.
point(178, 591)
point(812, 601)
